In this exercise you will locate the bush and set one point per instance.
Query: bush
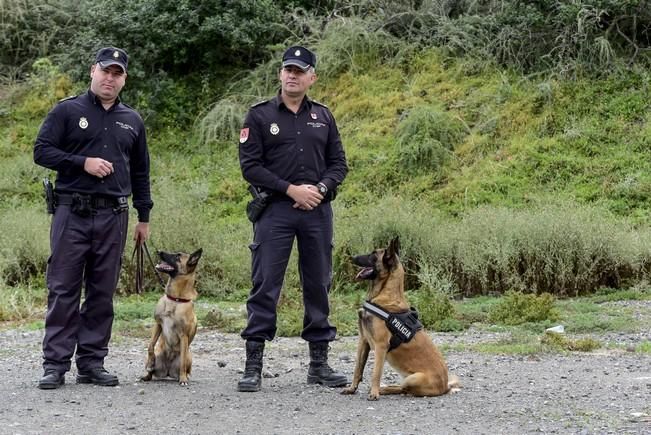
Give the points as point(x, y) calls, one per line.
point(516, 308)
point(426, 138)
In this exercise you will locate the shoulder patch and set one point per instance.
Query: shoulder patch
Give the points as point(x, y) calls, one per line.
point(72, 97)
point(260, 103)
point(319, 104)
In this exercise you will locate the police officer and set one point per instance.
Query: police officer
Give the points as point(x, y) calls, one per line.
point(290, 148)
point(98, 146)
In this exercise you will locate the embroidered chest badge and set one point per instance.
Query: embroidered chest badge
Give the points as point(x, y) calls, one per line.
point(83, 123)
point(313, 115)
point(244, 135)
point(274, 129)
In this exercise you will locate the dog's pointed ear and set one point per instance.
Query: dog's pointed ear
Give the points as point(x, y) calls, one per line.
point(194, 257)
point(394, 245)
point(390, 257)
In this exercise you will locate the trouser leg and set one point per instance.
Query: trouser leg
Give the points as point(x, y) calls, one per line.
point(69, 243)
point(101, 278)
point(270, 252)
point(315, 234)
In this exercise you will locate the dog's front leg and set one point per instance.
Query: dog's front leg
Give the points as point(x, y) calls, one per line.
point(183, 367)
point(363, 349)
point(378, 367)
point(151, 356)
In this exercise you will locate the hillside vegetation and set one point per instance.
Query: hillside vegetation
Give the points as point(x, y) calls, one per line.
point(505, 142)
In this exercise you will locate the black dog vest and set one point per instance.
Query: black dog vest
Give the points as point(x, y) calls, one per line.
point(403, 326)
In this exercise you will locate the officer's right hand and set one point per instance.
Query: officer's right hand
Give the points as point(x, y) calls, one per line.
point(98, 167)
point(307, 196)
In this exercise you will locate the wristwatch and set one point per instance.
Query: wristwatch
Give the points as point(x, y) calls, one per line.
point(323, 189)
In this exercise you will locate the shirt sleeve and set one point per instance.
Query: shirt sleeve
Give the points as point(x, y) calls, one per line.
point(252, 158)
point(335, 157)
point(50, 140)
point(140, 183)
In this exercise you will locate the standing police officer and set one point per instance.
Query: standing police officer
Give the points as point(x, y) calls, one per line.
point(290, 149)
point(98, 146)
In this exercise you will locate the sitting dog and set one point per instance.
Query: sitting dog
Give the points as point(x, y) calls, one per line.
point(168, 354)
point(392, 330)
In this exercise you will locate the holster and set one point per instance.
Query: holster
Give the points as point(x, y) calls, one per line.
point(50, 203)
point(258, 204)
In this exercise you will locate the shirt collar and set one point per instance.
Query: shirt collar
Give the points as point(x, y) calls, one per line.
point(278, 101)
point(95, 100)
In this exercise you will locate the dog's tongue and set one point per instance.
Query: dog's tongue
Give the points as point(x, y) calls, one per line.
point(364, 273)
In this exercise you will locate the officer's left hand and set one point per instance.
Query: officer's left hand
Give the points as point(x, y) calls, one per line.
point(307, 196)
point(141, 233)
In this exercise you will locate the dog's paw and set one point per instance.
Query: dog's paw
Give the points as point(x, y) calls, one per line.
point(349, 390)
point(146, 378)
point(373, 396)
point(183, 383)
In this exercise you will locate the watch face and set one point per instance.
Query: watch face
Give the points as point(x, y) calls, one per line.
point(322, 190)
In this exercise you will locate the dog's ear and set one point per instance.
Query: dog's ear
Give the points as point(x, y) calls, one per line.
point(394, 245)
point(390, 257)
point(194, 257)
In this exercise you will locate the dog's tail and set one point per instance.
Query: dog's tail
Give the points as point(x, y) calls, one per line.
point(453, 384)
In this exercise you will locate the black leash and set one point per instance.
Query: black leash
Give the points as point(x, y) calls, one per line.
point(139, 252)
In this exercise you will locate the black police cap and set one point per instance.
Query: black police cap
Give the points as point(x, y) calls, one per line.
point(300, 57)
point(112, 56)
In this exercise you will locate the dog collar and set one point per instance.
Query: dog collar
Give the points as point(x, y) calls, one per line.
point(178, 299)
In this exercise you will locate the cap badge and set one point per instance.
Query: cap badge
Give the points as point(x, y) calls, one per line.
point(116, 54)
point(244, 135)
point(297, 53)
point(274, 129)
point(83, 123)
point(313, 115)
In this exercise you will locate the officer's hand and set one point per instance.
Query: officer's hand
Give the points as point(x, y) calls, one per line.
point(98, 167)
point(142, 232)
point(307, 196)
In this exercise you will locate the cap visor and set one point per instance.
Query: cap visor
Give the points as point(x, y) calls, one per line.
point(108, 63)
point(295, 62)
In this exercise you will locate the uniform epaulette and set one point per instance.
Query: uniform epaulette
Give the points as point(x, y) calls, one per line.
point(259, 103)
point(72, 97)
point(319, 103)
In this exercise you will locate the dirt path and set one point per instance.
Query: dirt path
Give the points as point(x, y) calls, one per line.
point(579, 393)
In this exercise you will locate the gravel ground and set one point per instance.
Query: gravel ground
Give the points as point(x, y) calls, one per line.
point(599, 392)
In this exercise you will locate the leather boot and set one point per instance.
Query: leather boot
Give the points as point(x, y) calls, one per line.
point(319, 371)
point(252, 378)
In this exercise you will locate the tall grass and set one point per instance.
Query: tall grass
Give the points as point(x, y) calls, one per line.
point(564, 249)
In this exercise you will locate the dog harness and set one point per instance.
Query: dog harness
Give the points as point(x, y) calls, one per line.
point(403, 326)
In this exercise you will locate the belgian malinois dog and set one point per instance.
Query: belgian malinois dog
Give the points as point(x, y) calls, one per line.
point(168, 354)
point(415, 357)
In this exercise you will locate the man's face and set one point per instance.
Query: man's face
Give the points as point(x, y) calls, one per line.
point(295, 82)
point(107, 82)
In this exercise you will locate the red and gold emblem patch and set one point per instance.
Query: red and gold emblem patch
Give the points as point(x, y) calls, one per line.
point(244, 135)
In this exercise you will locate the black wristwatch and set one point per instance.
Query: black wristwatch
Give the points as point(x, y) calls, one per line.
point(323, 189)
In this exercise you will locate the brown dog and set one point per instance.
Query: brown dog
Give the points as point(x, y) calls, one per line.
point(168, 354)
point(415, 357)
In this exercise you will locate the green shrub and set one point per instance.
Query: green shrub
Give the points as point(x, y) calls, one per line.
point(561, 342)
point(515, 308)
point(426, 138)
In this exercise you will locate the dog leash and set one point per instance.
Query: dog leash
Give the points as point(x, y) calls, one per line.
point(139, 252)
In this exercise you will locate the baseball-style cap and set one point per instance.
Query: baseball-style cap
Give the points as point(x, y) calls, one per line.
point(300, 57)
point(112, 56)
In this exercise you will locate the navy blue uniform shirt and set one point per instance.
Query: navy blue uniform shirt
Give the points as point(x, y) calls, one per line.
point(279, 148)
point(80, 127)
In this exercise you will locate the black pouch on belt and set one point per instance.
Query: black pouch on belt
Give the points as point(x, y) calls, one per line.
point(81, 205)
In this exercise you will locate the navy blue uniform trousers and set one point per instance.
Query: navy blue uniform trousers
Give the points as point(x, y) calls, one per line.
point(84, 250)
point(274, 235)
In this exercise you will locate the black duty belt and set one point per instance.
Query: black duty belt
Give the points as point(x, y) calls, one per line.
point(95, 201)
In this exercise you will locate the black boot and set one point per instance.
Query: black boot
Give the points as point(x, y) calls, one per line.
point(252, 378)
point(319, 371)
